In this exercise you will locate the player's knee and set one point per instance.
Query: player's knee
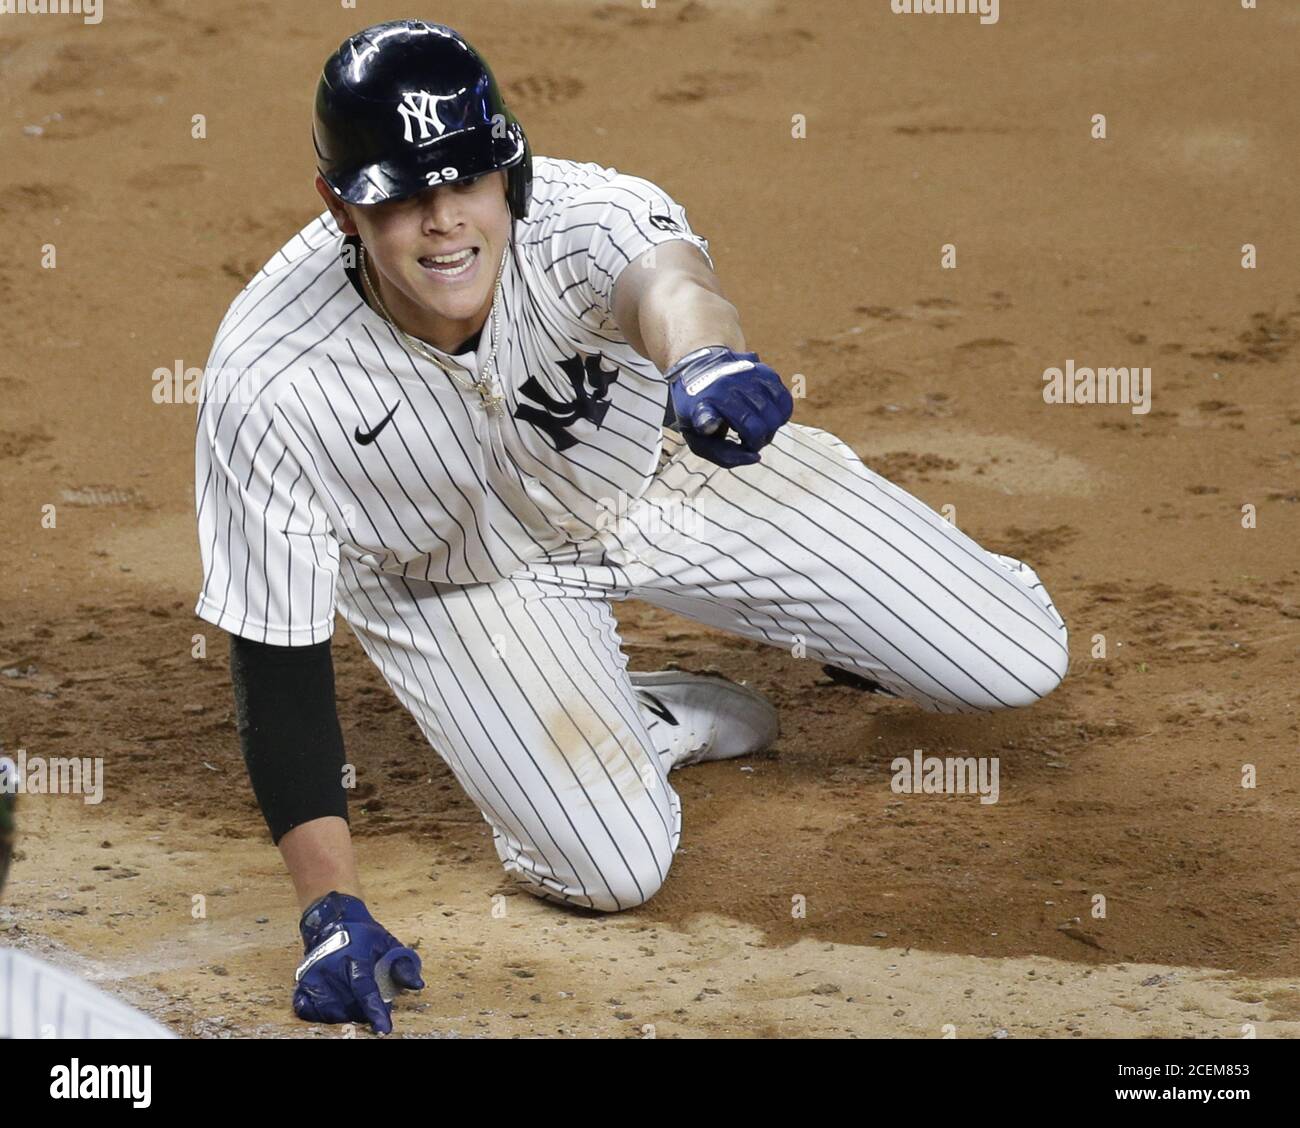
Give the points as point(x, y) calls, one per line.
point(625, 894)
point(611, 887)
point(1058, 663)
point(602, 893)
point(1052, 656)
point(626, 890)
point(1032, 679)
point(1033, 653)
point(1026, 691)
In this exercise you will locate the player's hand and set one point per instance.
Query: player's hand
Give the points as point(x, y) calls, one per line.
point(714, 389)
point(353, 966)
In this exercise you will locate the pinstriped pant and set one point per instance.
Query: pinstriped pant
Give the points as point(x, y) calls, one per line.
point(521, 684)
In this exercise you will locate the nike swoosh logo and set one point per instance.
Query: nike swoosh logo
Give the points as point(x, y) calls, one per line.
point(368, 437)
point(655, 706)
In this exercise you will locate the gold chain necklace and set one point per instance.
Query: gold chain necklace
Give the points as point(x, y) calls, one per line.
point(489, 398)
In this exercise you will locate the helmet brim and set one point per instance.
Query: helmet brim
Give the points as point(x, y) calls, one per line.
point(390, 180)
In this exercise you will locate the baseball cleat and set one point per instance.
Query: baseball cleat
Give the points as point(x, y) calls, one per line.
point(698, 717)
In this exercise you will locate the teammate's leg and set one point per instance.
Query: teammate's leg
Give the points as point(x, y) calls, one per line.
point(812, 548)
point(523, 690)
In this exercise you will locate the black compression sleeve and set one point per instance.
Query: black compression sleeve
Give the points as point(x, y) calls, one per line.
point(289, 731)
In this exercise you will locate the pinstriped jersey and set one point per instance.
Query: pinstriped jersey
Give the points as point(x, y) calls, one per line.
point(321, 436)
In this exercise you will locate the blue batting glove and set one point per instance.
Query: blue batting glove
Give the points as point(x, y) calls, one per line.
point(350, 960)
point(716, 388)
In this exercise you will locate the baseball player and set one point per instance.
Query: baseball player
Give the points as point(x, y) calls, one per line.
point(478, 399)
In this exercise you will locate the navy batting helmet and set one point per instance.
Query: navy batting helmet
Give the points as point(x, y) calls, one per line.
point(406, 105)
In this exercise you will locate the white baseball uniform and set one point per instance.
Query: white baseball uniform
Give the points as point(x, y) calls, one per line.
point(39, 1000)
point(475, 555)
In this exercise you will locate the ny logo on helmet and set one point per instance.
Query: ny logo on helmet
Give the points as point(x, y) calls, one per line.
point(421, 108)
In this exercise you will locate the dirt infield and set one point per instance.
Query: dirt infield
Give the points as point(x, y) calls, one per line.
point(808, 897)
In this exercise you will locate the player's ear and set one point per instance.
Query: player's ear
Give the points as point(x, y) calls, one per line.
point(338, 209)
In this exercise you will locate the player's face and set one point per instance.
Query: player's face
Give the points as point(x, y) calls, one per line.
point(435, 255)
